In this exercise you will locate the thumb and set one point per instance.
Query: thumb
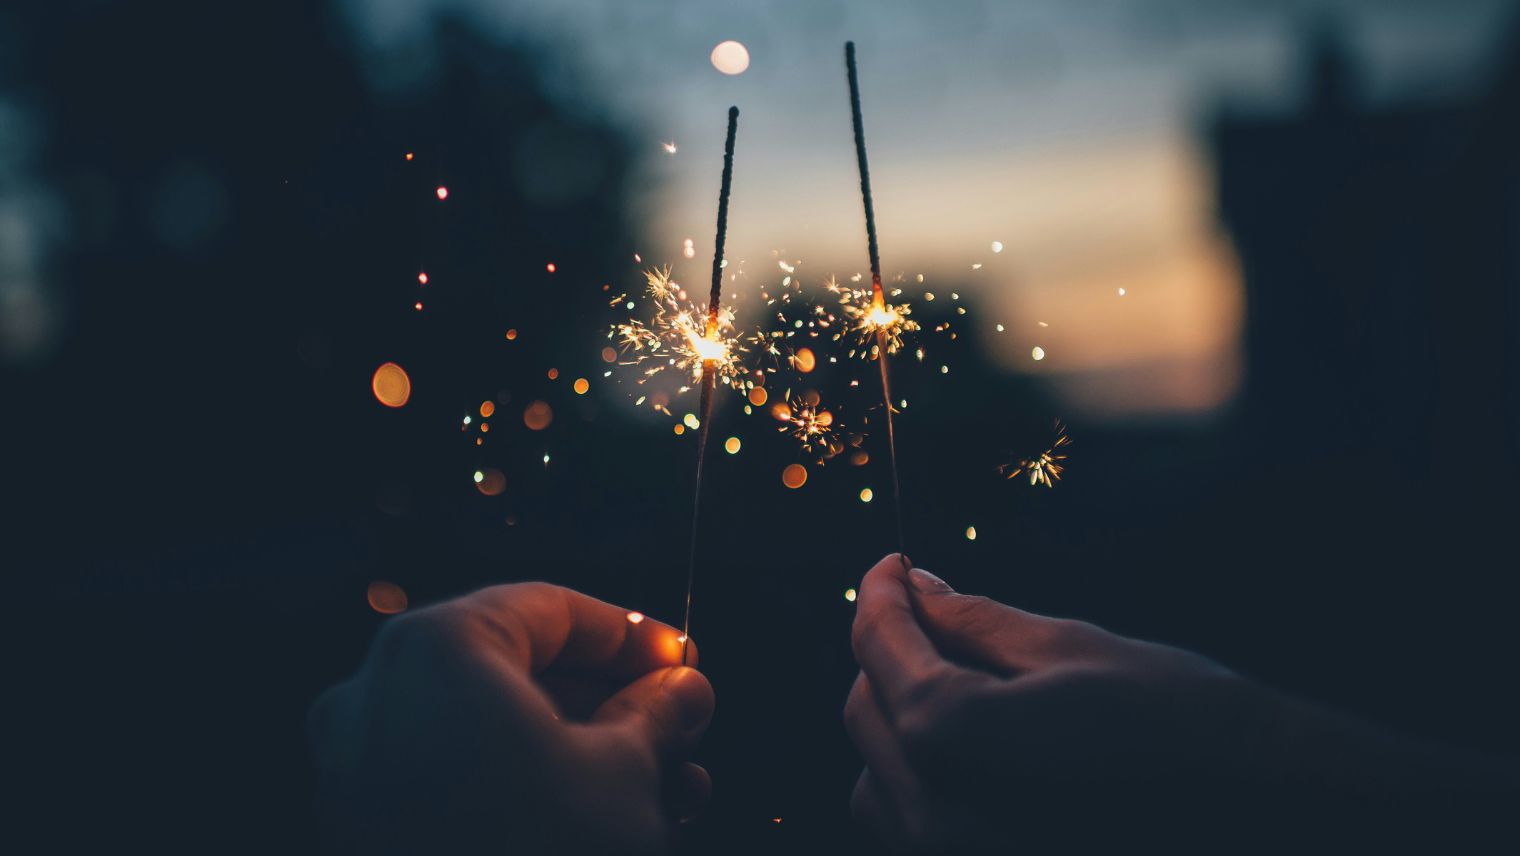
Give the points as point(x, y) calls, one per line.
point(669, 708)
point(981, 630)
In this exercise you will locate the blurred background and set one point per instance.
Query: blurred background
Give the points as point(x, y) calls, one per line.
point(1265, 253)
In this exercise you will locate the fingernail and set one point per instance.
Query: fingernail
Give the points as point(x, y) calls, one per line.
point(692, 694)
point(926, 582)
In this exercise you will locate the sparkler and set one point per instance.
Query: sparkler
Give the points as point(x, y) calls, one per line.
point(878, 319)
point(716, 356)
point(1046, 467)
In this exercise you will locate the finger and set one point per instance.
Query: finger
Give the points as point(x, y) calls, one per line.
point(982, 632)
point(668, 710)
point(889, 645)
point(878, 744)
point(871, 809)
point(688, 793)
point(536, 625)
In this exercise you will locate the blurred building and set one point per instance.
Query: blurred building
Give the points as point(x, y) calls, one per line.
point(1381, 310)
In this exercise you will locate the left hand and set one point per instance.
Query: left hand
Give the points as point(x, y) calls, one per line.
point(522, 718)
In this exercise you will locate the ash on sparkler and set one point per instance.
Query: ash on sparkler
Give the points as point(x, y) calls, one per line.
point(885, 322)
point(714, 356)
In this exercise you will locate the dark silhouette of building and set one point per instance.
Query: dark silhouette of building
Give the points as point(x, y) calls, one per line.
point(1381, 309)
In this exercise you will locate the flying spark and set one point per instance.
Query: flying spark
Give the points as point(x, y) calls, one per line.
point(1046, 467)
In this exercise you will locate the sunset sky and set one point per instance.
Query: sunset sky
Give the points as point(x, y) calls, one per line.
point(1065, 131)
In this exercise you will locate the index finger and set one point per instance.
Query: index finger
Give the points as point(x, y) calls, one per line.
point(891, 648)
point(538, 625)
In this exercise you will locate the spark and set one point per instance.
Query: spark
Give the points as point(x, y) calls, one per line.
point(871, 316)
point(678, 336)
point(970, 533)
point(443, 193)
point(849, 595)
point(1046, 467)
point(670, 147)
point(804, 419)
point(635, 617)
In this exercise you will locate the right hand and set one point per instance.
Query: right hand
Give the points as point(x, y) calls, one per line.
point(986, 727)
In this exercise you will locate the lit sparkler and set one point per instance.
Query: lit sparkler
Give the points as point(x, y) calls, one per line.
point(714, 357)
point(885, 322)
point(1046, 467)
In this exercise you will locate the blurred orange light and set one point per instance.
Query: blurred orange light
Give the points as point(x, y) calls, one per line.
point(386, 598)
point(443, 192)
point(422, 277)
point(487, 408)
point(418, 307)
point(794, 476)
point(635, 617)
point(391, 385)
point(538, 415)
point(731, 445)
point(581, 385)
point(758, 396)
point(550, 267)
point(553, 374)
point(490, 482)
point(803, 360)
point(408, 155)
point(511, 334)
point(609, 354)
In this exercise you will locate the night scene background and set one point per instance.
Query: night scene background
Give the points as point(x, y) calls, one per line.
point(1269, 252)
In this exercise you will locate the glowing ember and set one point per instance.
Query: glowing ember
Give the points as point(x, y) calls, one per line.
point(550, 267)
point(849, 595)
point(670, 147)
point(970, 533)
point(866, 495)
point(443, 192)
point(635, 617)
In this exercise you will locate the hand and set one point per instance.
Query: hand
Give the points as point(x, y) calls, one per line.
point(986, 727)
point(522, 718)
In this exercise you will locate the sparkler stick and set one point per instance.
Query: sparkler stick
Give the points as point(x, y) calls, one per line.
point(709, 368)
point(878, 300)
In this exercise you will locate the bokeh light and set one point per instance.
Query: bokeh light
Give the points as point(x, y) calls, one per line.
point(866, 495)
point(794, 476)
point(386, 598)
point(487, 408)
point(804, 360)
point(490, 482)
point(758, 396)
point(538, 415)
point(731, 445)
point(849, 595)
point(581, 386)
point(391, 385)
point(730, 57)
